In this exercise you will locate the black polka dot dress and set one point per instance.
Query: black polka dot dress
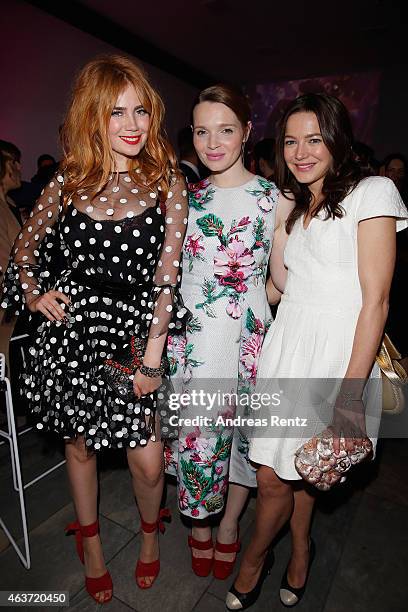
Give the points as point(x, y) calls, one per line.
point(117, 258)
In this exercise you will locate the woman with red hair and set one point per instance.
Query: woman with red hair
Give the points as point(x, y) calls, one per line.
point(98, 261)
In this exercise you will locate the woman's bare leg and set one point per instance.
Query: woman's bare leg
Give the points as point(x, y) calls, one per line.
point(201, 531)
point(228, 529)
point(146, 465)
point(300, 530)
point(81, 469)
point(273, 509)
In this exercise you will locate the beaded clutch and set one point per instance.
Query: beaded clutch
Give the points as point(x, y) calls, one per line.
point(118, 372)
point(318, 464)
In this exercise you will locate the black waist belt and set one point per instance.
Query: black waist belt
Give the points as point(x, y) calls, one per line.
point(103, 287)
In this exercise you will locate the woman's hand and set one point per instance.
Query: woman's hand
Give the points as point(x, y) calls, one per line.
point(348, 421)
point(143, 385)
point(49, 305)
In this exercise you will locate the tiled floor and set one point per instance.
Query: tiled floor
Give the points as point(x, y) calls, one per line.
point(360, 531)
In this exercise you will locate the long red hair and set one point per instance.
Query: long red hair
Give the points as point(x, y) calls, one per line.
point(88, 158)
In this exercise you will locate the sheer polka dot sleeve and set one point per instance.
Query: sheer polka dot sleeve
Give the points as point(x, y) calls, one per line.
point(28, 269)
point(169, 313)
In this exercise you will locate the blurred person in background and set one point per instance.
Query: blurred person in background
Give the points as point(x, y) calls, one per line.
point(189, 163)
point(364, 156)
point(264, 155)
point(394, 167)
point(46, 168)
point(10, 178)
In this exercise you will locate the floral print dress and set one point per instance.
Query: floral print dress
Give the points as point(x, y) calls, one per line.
point(225, 258)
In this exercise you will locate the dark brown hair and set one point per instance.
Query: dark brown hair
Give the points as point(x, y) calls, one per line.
point(337, 135)
point(228, 95)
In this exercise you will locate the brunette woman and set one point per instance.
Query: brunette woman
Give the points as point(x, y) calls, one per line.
point(233, 217)
point(330, 320)
point(117, 212)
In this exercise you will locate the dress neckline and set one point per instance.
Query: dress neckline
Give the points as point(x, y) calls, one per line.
point(122, 220)
point(231, 188)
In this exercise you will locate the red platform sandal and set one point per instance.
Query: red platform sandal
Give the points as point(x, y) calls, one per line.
point(223, 569)
point(151, 569)
point(201, 566)
point(92, 585)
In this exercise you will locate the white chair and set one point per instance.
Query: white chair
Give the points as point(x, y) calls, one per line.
point(11, 436)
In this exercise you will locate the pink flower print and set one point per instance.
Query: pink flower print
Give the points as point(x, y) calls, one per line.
point(224, 486)
point(183, 499)
point(242, 224)
point(265, 203)
point(234, 264)
point(178, 346)
point(234, 309)
point(195, 187)
point(215, 488)
point(218, 470)
point(193, 246)
point(195, 442)
point(241, 288)
point(168, 456)
point(229, 411)
point(197, 458)
point(251, 347)
point(194, 512)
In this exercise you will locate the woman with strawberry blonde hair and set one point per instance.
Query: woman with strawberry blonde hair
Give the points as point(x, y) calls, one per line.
point(98, 261)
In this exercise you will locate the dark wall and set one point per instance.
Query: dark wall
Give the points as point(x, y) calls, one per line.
point(39, 56)
point(391, 131)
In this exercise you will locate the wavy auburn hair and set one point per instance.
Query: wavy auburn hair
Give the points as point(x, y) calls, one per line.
point(88, 157)
point(337, 135)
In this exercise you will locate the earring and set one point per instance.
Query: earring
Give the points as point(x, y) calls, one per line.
point(243, 148)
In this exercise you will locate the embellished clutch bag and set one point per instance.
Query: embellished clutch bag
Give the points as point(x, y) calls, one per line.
point(118, 372)
point(318, 464)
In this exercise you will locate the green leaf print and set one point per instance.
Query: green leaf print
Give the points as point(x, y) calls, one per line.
point(222, 448)
point(264, 183)
point(208, 289)
point(197, 199)
point(211, 225)
point(194, 363)
point(195, 480)
point(250, 322)
point(194, 325)
point(258, 232)
point(189, 349)
point(209, 310)
point(173, 363)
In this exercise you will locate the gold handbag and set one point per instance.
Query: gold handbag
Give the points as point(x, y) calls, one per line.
point(394, 377)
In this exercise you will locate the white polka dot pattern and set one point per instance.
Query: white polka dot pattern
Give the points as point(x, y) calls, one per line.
point(119, 263)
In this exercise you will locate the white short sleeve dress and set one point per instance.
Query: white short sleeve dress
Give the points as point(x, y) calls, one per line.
point(313, 333)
